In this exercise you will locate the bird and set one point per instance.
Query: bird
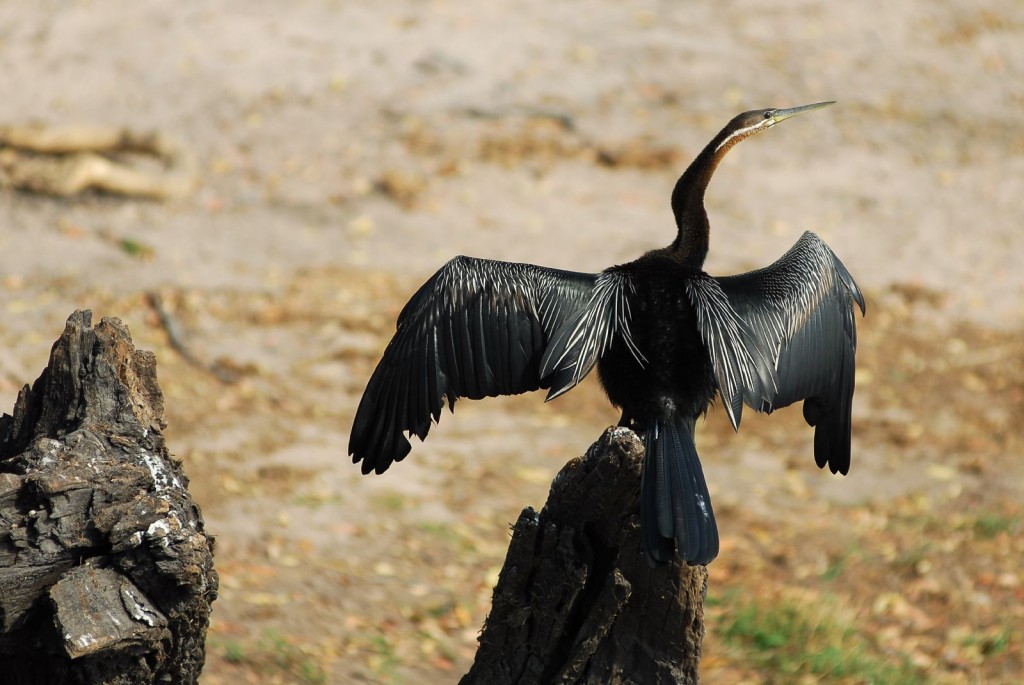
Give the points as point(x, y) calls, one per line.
point(666, 337)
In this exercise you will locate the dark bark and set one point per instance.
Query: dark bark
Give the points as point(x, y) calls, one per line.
point(106, 571)
point(577, 601)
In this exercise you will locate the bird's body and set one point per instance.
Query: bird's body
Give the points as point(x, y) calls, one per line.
point(664, 329)
point(663, 396)
point(666, 339)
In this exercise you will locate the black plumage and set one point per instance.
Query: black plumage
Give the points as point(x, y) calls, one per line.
point(477, 328)
point(665, 336)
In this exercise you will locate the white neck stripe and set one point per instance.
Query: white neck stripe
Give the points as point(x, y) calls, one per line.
point(741, 134)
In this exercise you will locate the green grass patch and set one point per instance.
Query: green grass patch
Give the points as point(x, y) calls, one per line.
point(457, 537)
point(384, 660)
point(273, 655)
point(234, 652)
point(987, 526)
point(391, 502)
point(442, 531)
point(836, 567)
point(908, 560)
point(790, 639)
point(991, 644)
point(135, 248)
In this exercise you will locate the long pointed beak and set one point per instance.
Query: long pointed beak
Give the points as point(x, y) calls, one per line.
point(781, 114)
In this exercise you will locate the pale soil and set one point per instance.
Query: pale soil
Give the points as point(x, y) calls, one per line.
point(349, 149)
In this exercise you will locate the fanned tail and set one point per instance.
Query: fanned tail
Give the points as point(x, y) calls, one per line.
point(675, 506)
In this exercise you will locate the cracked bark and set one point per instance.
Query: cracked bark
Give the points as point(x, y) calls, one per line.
point(577, 602)
point(106, 571)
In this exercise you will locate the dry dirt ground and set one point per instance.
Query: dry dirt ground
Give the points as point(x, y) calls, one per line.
point(348, 149)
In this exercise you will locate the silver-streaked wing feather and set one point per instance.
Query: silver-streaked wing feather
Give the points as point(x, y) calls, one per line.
point(800, 310)
point(477, 328)
point(583, 338)
point(739, 358)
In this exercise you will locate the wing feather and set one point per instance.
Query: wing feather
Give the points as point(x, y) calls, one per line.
point(738, 357)
point(583, 338)
point(799, 310)
point(478, 328)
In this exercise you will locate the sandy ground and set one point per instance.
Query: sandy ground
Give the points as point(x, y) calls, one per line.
point(348, 151)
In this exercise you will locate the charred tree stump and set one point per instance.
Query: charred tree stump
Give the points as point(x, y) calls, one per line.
point(577, 601)
point(106, 571)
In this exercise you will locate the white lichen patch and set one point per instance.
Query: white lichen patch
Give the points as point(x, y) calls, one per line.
point(158, 529)
point(620, 431)
point(49, 451)
point(162, 477)
point(162, 529)
point(82, 641)
point(137, 607)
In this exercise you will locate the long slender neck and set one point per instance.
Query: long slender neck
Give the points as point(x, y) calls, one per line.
point(691, 243)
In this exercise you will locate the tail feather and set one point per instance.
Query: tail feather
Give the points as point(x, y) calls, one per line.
point(675, 508)
point(659, 547)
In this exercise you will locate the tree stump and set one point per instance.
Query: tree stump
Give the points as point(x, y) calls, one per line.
point(106, 571)
point(577, 601)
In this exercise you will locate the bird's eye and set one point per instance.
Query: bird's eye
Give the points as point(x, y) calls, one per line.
point(769, 113)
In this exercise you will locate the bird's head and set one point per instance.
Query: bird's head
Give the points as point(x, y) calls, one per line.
point(757, 120)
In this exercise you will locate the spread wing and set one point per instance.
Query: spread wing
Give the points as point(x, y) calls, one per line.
point(798, 314)
point(478, 328)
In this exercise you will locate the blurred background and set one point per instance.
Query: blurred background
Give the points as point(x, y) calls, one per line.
point(344, 151)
